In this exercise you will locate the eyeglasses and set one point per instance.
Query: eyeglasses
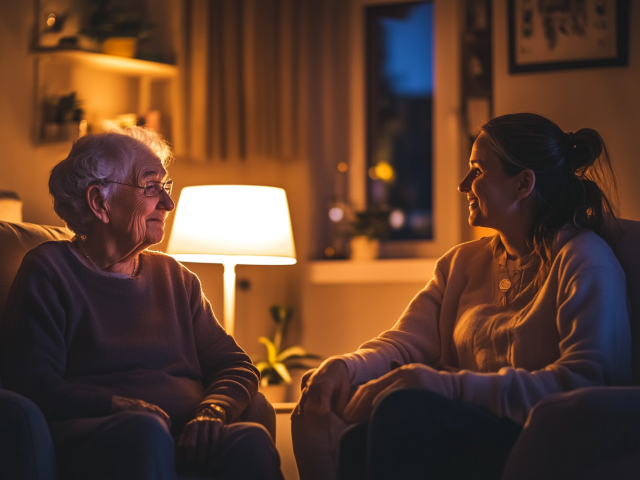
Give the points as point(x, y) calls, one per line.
point(151, 189)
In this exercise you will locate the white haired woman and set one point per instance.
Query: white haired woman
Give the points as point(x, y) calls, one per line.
point(117, 344)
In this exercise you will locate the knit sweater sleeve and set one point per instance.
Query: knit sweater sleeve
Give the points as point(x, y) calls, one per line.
point(587, 287)
point(592, 320)
point(415, 338)
point(34, 352)
point(228, 375)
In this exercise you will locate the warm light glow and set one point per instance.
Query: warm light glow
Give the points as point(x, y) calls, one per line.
point(336, 214)
point(232, 224)
point(343, 167)
point(397, 219)
point(237, 224)
point(51, 19)
point(385, 172)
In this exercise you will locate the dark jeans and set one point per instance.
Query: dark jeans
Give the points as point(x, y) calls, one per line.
point(416, 434)
point(138, 446)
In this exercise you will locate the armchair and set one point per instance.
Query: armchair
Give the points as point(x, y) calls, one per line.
point(594, 432)
point(26, 448)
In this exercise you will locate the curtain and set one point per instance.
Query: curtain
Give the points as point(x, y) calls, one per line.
point(266, 79)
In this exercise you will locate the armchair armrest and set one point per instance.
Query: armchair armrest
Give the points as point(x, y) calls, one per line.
point(26, 449)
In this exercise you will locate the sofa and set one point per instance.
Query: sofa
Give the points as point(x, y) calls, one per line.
point(26, 448)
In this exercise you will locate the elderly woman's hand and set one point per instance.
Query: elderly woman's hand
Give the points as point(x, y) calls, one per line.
point(413, 375)
point(199, 438)
point(125, 404)
point(327, 389)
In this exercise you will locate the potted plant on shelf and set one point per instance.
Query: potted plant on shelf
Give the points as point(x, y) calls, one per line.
point(61, 117)
point(274, 371)
point(367, 228)
point(116, 29)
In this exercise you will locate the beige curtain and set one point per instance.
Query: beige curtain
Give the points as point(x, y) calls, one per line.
point(266, 78)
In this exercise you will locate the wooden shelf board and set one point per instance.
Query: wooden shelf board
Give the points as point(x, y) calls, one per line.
point(112, 63)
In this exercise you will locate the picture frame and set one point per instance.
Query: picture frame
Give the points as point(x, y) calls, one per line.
point(547, 35)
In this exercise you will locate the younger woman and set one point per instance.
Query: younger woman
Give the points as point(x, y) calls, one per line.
point(539, 308)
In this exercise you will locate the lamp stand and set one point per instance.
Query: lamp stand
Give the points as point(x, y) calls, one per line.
point(229, 296)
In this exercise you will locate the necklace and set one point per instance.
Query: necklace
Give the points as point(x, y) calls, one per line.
point(133, 271)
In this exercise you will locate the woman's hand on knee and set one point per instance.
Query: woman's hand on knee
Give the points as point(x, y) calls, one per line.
point(126, 404)
point(199, 439)
point(413, 375)
point(327, 389)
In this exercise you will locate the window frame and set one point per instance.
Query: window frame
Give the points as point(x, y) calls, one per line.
point(448, 163)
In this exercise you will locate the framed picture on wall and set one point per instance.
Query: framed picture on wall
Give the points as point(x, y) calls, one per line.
point(557, 35)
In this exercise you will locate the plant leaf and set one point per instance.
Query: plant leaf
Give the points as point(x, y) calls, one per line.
point(282, 371)
point(291, 366)
point(272, 352)
point(262, 366)
point(291, 352)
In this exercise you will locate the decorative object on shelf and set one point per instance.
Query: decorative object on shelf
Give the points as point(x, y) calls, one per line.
point(62, 118)
point(232, 225)
point(339, 230)
point(367, 228)
point(549, 35)
point(116, 29)
point(364, 248)
point(275, 369)
point(10, 207)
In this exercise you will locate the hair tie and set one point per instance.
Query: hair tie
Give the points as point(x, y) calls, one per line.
point(571, 140)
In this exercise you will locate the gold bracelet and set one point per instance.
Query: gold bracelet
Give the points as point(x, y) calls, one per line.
point(219, 411)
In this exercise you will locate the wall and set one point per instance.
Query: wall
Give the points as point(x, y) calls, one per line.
point(606, 99)
point(23, 168)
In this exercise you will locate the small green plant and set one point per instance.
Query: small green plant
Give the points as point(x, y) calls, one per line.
point(106, 21)
point(275, 369)
point(370, 223)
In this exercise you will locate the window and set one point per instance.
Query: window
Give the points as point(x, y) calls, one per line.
point(399, 104)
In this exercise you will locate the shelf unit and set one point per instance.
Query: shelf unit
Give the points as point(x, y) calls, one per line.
point(128, 81)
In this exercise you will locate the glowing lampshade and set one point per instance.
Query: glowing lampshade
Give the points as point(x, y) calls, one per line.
point(232, 224)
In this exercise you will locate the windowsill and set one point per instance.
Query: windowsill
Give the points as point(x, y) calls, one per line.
point(387, 270)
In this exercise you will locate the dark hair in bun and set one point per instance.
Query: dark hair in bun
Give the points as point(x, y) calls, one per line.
point(574, 178)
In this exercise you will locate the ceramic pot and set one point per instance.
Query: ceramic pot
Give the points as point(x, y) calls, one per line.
point(364, 248)
point(275, 393)
point(120, 46)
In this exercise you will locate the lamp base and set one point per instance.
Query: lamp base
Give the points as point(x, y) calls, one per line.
point(229, 297)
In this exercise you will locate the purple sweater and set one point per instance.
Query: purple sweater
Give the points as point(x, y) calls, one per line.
point(71, 338)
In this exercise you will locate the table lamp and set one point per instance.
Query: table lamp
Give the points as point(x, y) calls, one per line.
point(232, 225)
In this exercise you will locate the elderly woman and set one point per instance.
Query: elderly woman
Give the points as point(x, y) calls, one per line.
point(539, 308)
point(117, 344)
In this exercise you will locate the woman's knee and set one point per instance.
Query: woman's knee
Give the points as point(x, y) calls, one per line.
point(249, 436)
point(402, 406)
point(247, 448)
point(144, 431)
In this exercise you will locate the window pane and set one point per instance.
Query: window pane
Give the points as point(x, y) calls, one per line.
point(399, 113)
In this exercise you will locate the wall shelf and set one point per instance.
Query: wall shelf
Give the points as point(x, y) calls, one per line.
point(107, 86)
point(111, 63)
point(391, 270)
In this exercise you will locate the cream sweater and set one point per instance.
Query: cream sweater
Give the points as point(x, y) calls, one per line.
point(505, 351)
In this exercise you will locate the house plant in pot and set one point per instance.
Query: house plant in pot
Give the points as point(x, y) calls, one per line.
point(367, 228)
point(275, 369)
point(116, 29)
